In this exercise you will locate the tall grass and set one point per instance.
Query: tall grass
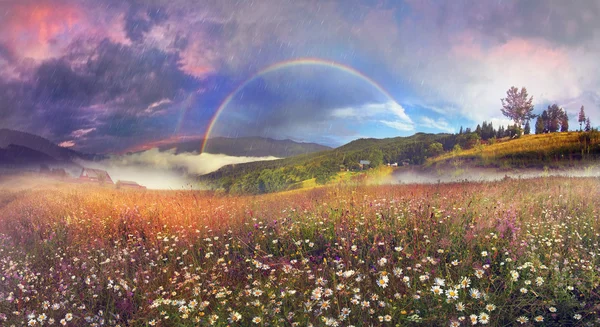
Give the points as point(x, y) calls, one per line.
point(531, 150)
point(500, 254)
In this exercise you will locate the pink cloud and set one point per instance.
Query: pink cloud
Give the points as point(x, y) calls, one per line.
point(43, 29)
point(198, 59)
point(468, 45)
point(82, 132)
point(67, 144)
point(537, 51)
point(32, 28)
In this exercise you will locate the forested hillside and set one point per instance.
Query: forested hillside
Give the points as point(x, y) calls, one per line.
point(277, 175)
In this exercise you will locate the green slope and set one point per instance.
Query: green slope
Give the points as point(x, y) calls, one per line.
point(529, 151)
point(278, 175)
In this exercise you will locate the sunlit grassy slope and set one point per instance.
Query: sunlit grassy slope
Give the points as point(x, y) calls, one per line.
point(498, 254)
point(370, 176)
point(529, 150)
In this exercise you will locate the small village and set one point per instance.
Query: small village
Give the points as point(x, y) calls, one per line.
point(89, 175)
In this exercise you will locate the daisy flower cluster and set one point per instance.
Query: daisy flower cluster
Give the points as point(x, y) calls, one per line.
point(430, 255)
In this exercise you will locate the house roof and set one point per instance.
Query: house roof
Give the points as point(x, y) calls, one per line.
point(128, 183)
point(96, 173)
point(365, 162)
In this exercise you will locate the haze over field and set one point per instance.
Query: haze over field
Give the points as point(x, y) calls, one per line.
point(471, 174)
point(165, 169)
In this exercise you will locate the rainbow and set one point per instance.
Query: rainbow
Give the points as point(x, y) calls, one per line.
point(285, 64)
point(186, 105)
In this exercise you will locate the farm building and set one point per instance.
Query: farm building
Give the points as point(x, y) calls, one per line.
point(95, 175)
point(129, 184)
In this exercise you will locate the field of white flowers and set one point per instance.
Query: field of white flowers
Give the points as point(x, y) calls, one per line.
point(509, 253)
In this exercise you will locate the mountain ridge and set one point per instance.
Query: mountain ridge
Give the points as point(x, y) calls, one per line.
point(40, 144)
point(253, 146)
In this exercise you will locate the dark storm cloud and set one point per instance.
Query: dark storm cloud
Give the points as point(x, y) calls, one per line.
point(181, 42)
point(141, 18)
point(112, 73)
point(107, 85)
point(136, 77)
point(15, 100)
point(57, 82)
point(120, 124)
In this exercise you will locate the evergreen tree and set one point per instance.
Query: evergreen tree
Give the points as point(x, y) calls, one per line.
point(483, 130)
point(500, 133)
point(527, 129)
point(491, 131)
point(546, 121)
point(539, 125)
point(581, 119)
point(554, 115)
point(461, 130)
point(564, 122)
point(588, 125)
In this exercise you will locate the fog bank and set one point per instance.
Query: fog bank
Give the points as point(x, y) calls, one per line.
point(418, 176)
point(165, 169)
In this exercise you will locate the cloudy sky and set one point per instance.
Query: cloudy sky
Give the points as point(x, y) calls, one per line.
point(110, 75)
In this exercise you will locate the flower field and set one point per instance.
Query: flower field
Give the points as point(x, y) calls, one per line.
point(508, 253)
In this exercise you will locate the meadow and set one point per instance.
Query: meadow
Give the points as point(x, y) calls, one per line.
point(535, 150)
point(507, 253)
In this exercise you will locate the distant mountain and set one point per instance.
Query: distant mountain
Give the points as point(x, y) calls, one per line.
point(39, 144)
point(20, 149)
point(261, 147)
point(246, 147)
point(20, 156)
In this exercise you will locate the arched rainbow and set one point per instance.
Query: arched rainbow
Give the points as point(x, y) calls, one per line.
point(186, 105)
point(285, 64)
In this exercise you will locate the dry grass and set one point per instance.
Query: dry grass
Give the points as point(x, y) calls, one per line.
point(334, 256)
point(533, 148)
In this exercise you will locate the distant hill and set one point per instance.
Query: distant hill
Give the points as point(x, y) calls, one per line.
point(246, 147)
point(277, 175)
point(21, 150)
point(261, 147)
point(39, 144)
point(529, 151)
point(16, 155)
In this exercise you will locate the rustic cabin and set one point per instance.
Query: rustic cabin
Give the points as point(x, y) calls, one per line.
point(95, 176)
point(129, 184)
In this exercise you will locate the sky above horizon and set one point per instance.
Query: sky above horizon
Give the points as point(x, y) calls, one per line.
point(111, 75)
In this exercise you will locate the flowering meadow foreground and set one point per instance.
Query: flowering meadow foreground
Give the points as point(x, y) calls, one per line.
point(509, 253)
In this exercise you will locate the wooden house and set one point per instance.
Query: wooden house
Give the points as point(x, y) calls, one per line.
point(95, 176)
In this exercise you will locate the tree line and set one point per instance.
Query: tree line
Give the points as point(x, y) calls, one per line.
point(518, 106)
